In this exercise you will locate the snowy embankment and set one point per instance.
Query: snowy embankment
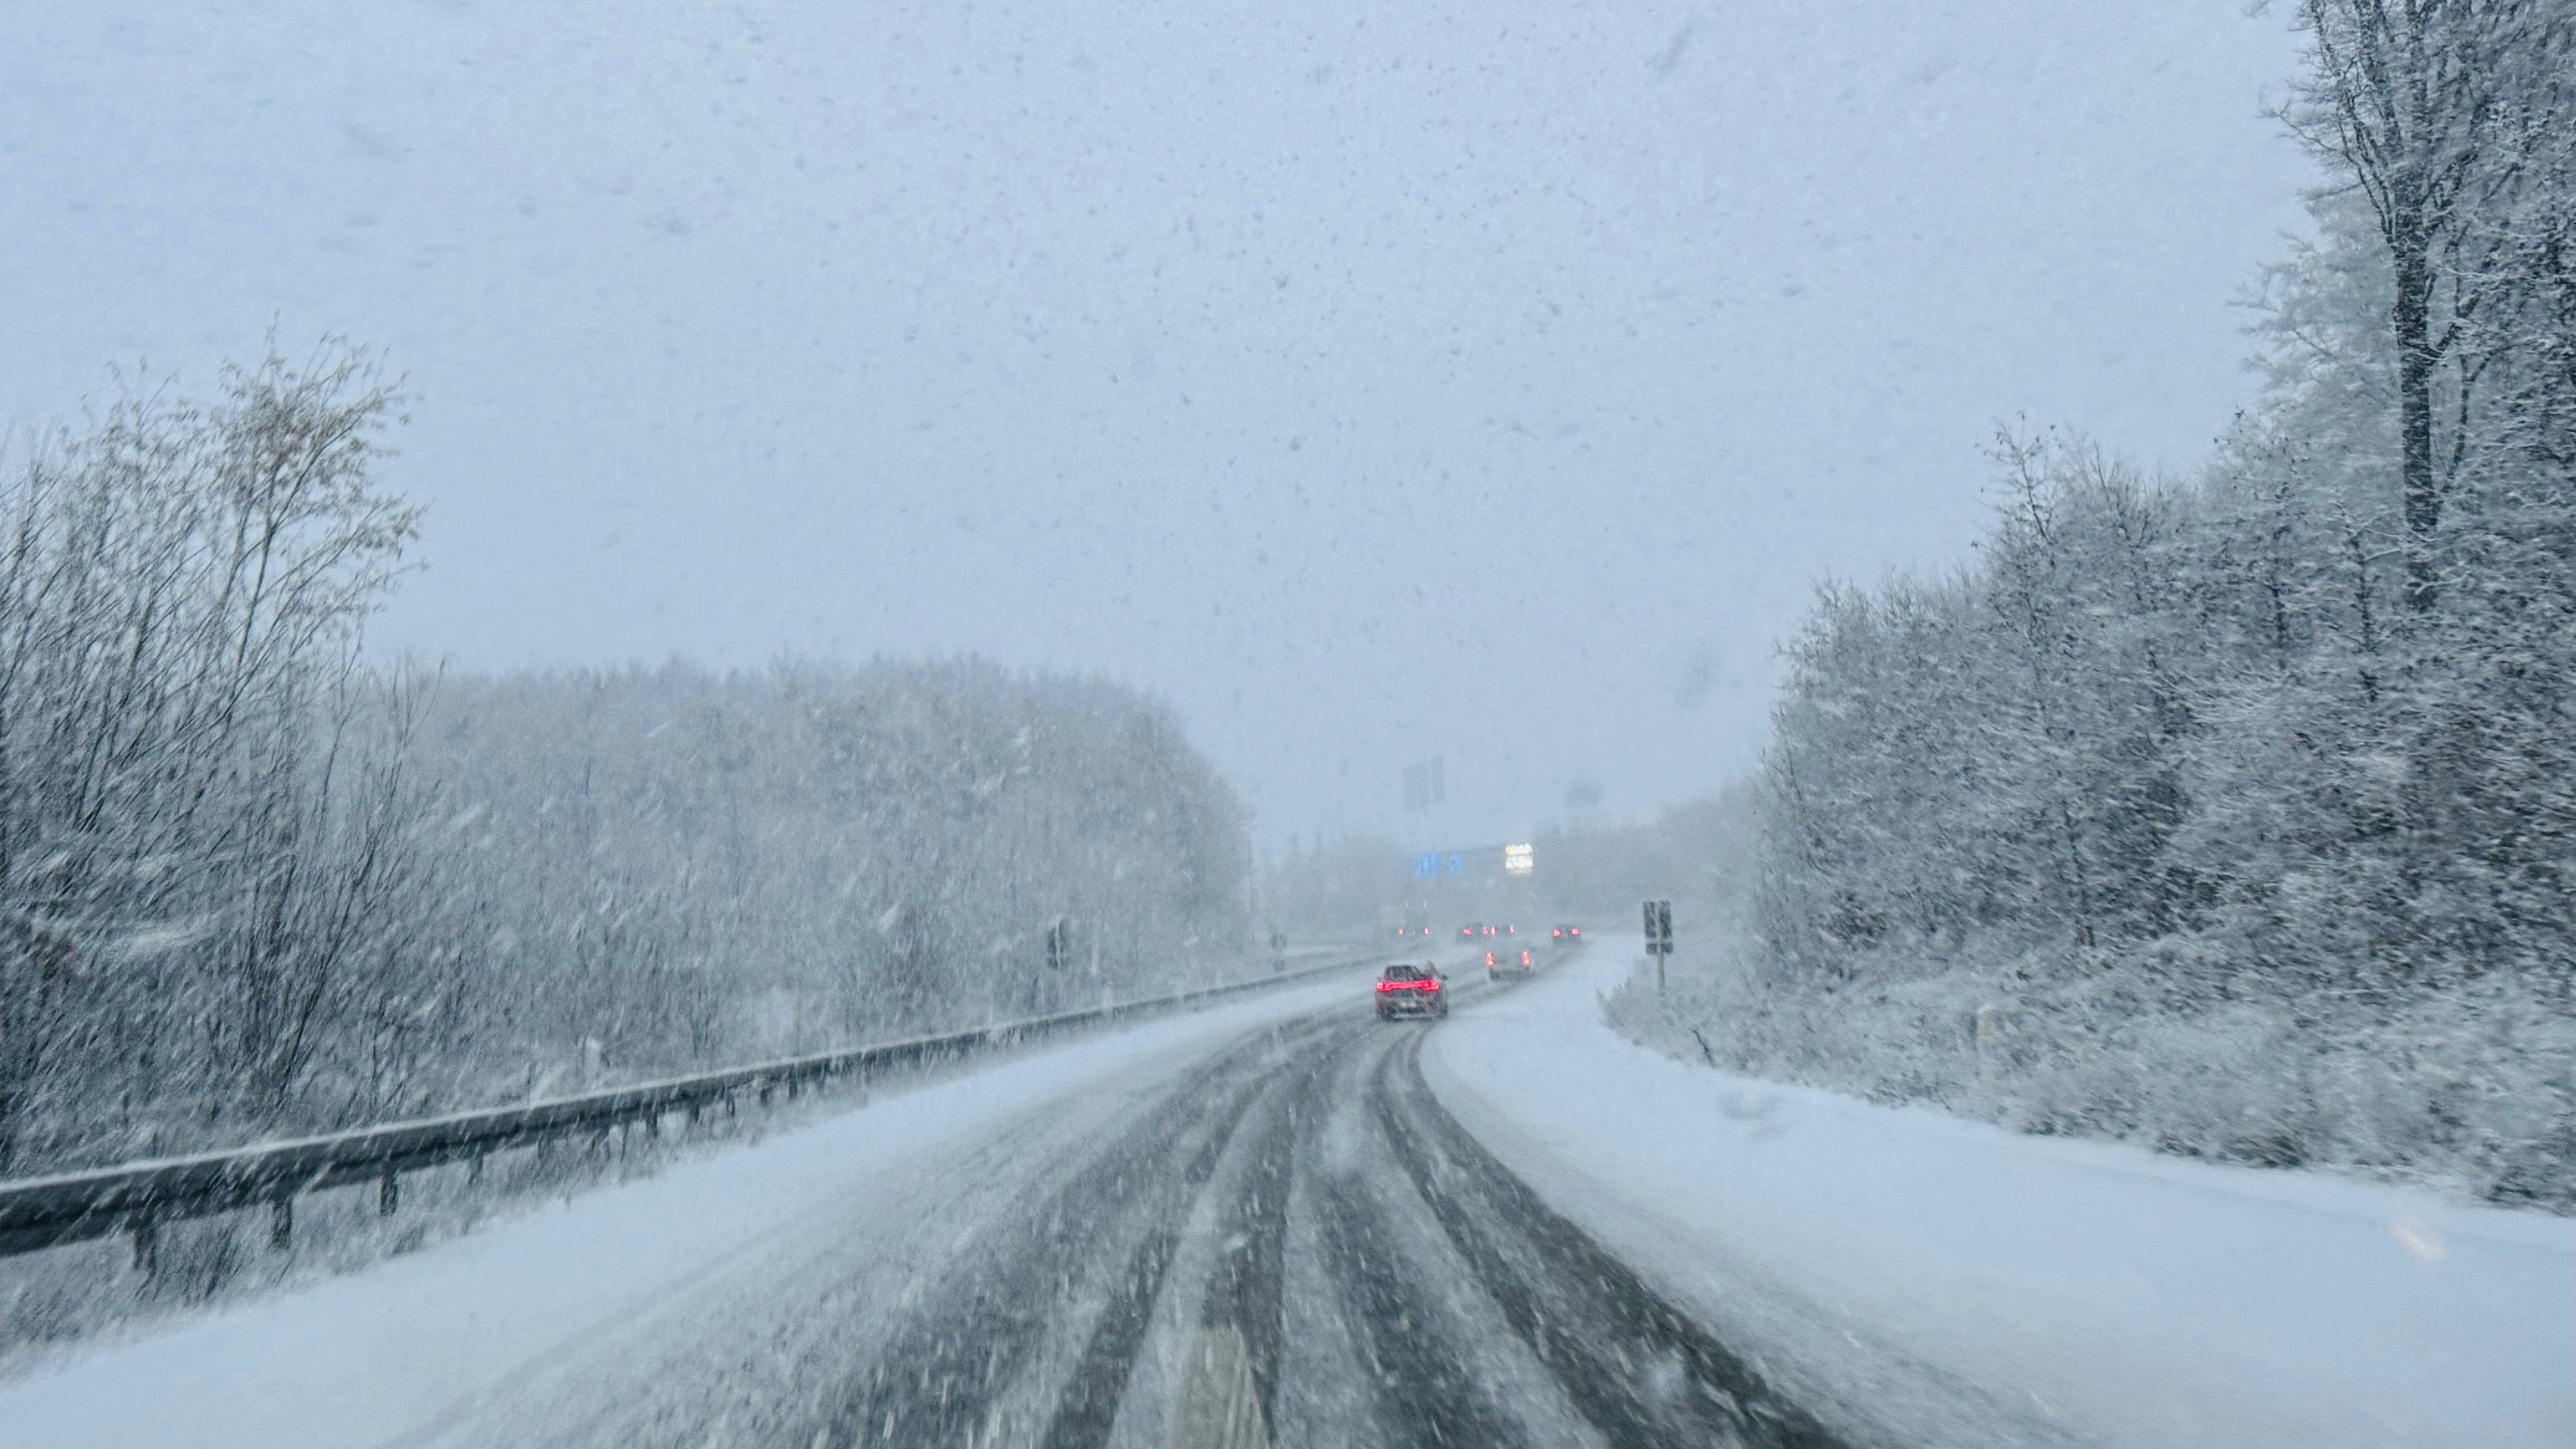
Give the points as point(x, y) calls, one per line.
point(503, 1332)
point(1911, 1275)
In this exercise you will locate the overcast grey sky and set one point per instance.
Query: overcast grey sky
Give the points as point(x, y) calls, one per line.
point(1370, 381)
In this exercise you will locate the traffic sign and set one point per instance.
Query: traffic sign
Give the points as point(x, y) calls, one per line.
point(1659, 936)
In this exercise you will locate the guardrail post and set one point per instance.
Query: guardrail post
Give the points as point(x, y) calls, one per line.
point(147, 1244)
point(281, 1223)
point(474, 1169)
point(388, 1191)
point(653, 1125)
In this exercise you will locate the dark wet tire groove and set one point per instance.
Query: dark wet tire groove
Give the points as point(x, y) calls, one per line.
point(1088, 1407)
point(1249, 1289)
point(1608, 1325)
point(936, 1378)
point(1420, 1391)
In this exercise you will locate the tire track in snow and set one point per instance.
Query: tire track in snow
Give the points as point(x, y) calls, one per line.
point(1461, 1309)
point(1638, 1369)
point(958, 1369)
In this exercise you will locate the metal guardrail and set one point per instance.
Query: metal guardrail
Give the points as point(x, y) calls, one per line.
point(136, 1197)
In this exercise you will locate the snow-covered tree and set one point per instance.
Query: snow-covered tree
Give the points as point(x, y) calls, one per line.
point(2294, 737)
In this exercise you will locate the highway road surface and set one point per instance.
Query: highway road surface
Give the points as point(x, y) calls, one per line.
point(1256, 1224)
point(1285, 1240)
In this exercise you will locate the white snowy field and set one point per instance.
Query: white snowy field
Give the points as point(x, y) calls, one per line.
point(1910, 1275)
point(509, 1332)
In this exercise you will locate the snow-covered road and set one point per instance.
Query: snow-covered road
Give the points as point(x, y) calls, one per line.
point(1280, 1221)
point(715, 1295)
point(1914, 1277)
point(1247, 1226)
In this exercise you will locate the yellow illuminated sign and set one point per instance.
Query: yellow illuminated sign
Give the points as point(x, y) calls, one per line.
point(1518, 860)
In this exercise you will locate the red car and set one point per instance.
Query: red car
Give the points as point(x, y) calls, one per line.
point(1407, 990)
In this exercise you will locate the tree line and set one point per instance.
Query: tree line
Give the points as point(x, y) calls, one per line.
point(2291, 738)
point(252, 883)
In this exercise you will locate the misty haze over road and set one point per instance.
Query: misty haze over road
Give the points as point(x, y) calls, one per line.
point(1238, 357)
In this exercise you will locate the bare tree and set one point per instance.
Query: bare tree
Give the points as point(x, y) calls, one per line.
point(2426, 105)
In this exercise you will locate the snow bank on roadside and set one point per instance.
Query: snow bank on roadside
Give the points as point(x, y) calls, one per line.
point(1918, 1276)
point(378, 1355)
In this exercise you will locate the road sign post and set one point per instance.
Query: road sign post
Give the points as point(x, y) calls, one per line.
point(1659, 937)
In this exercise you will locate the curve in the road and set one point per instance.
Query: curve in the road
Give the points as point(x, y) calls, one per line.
point(1297, 1243)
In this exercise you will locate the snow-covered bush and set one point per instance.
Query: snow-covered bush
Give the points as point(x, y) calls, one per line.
point(2475, 1092)
point(2239, 815)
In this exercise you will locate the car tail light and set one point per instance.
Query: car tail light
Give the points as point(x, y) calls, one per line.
point(1489, 958)
point(1525, 958)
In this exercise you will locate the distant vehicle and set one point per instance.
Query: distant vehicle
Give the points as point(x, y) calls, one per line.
point(1508, 962)
point(1413, 930)
point(1408, 990)
point(1474, 932)
point(1569, 933)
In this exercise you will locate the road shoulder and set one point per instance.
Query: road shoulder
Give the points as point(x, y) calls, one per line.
point(1909, 1275)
